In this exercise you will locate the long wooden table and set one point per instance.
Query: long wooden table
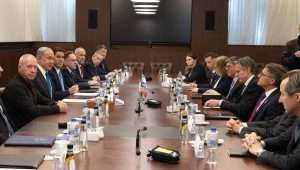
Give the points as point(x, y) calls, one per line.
point(117, 150)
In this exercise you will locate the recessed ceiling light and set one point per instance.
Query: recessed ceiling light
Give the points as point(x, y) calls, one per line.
point(145, 10)
point(145, 1)
point(145, 6)
point(146, 13)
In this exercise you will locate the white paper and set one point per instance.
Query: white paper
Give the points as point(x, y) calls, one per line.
point(86, 94)
point(74, 100)
point(207, 107)
point(119, 102)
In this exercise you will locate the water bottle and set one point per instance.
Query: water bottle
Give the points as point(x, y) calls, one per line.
point(199, 142)
point(184, 129)
point(83, 136)
point(74, 132)
point(70, 158)
point(212, 137)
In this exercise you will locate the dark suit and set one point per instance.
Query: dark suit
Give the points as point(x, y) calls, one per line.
point(270, 128)
point(222, 86)
point(71, 78)
point(288, 59)
point(59, 94)
point(91, 70)
point(24, 103)
point(41, 85)
point(210, 82)
point(3, 128)
point(233, 91)
point(270, 108)
point(243, 103)
point(282, 152)
point(103, 69)
point(196, 74)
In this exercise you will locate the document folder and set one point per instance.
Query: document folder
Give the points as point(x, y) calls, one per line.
point(36, 141)
point(21, 161)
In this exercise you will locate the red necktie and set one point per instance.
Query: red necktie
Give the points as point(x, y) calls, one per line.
point(81, 71)
point(258, 104)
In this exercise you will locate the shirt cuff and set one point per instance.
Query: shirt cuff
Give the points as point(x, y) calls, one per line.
point(240, 130)
point(259, 152)
point(244, 124)
point(263, 143)
point(220, 103)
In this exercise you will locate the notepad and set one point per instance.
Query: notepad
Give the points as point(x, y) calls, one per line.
point(86, 94)
point(36, 141)
point(25, 161)
point(74, 100)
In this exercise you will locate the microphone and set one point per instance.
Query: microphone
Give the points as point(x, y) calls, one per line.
point(137, 141)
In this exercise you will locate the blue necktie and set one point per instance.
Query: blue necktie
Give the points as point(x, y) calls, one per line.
point(9, 128)
point(61, 81)
point(49, 84)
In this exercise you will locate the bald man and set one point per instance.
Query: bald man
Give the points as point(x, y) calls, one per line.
point(22, 100)
point(80, 54)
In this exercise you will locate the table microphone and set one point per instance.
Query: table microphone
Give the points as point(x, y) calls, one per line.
point(137, 141)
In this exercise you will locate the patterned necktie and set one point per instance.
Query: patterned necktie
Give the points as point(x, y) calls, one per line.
point(48, 79)
point(9, 128)
point(61, 81)
point(257, 106)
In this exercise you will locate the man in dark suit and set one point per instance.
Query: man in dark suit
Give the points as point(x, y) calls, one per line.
point(91, 66)
point(222, 82)
point(70, 77)
point(42, 81)
point(267, 107)
point(235, 85)
point(264, 129)
point(283, 151)
point(6, 128)
point(80, 54)
point(209, 60)
point(58, 81)
point(22, 100)
point(243, 103)
point(104, 70)
point(291, 55)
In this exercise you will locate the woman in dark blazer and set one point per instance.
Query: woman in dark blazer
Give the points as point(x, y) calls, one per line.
point(220, 84)
point(195, 72)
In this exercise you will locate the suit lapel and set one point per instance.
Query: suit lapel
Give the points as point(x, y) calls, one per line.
point(44, 83)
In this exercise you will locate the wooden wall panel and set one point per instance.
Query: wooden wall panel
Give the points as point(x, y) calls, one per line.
point(202, 41)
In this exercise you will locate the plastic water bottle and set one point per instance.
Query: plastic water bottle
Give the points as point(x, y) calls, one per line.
point(199, 142)
point(212, 137)
point(83, 136)
point(74, 132)
point(70, 159)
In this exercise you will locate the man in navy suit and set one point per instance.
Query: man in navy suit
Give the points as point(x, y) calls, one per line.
point(42, 81)
point(268, 107)
point(243, 103)
point(283, 151)
point(58, 81)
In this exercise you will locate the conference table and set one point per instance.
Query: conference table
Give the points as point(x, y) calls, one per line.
point(117, 151)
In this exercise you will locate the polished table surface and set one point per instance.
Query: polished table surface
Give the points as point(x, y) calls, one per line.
point(117, 150)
